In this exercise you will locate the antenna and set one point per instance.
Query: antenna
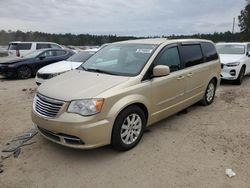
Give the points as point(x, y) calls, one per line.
point(233, 25)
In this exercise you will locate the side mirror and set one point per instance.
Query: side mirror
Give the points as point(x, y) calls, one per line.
point(248, 54)
point(41, 57)
point(161, 70)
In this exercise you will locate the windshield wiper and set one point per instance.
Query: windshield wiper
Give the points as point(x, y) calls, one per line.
point(99, 71)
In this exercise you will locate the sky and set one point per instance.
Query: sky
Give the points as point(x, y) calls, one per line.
point(121, 17)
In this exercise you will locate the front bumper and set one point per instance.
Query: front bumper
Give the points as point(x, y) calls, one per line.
point(74, 131)
point(230, 73)
point(7, 71)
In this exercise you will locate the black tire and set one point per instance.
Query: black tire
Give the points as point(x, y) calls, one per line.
point(24, 72)
point(238, 81)
point(209, 94)
point(117, 140)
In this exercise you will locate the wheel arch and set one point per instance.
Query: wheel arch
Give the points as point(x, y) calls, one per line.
point(126, 102)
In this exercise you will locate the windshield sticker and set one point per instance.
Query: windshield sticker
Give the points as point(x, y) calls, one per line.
point(144, 51)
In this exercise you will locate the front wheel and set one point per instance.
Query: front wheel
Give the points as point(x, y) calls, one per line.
point(24, 72)
point(209, 93)
point(128, 128)
point(238, 81)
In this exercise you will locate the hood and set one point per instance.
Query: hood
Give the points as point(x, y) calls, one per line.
point(61, 66)
point(78, 84)
point(10, 60)
point(227, 58)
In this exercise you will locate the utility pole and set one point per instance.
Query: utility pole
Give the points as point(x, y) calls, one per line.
point(233, 25)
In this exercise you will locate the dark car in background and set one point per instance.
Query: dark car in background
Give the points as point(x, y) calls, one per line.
point(27, 66)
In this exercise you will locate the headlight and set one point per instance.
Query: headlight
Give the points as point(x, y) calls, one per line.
point(233, 64)
point(86, 107)
point(53, 75)
point(11, 65)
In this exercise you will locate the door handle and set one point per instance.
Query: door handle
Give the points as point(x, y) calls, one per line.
point(180, 78)
point(190, 74)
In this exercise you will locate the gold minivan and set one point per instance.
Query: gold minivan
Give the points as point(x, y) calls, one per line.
point(123, 88)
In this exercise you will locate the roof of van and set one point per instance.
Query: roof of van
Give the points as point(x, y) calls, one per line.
point(30, 42)
point(159, 41)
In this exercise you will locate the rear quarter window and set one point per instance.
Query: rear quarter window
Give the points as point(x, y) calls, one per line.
point(42, 46)
point(20, 46)
point(209, 51)
point(191, 54)
point(55, 46)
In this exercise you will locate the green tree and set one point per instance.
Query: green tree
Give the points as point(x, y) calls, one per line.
point(244, 21)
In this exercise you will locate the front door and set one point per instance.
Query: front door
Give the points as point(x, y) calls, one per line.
point(168, 91)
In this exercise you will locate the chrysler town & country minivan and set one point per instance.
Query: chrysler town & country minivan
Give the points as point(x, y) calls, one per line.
point(123, 88)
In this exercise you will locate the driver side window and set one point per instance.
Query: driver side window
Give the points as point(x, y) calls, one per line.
point(171, 58)
point(48, 53)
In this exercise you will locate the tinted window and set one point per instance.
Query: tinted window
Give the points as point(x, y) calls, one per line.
point(49, 53)
point(192, 55)
point(54, 46)
point(42, 45)
point(171, 58)
point(209, 51)
point(20, 46)
point(60, 52)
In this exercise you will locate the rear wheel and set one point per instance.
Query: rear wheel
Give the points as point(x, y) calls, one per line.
point(24, 72)
point(209, 93)
point(128, 128)
point(238, 81)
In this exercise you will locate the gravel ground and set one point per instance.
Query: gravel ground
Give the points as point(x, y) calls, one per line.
point(191, 149)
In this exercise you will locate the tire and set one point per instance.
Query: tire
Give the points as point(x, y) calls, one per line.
point(238, 81)
point(24, 72)
point(209, 94)
point(125, 134)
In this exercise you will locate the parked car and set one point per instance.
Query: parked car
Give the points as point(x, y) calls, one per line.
point(20, 49)
point(27, 66)
point(60, 67)
point(124, 88)
point(235, 61)
point(74, 48)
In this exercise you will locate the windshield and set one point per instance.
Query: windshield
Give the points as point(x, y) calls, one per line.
point(80, 57)
point(32, 54)
point(230, 49)
point(120, 59)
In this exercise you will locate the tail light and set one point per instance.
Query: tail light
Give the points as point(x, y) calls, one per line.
point(17, 53)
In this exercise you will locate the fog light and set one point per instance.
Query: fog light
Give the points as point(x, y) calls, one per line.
point(232, 72)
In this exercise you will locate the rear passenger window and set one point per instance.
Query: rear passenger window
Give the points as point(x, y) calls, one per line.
point(209, 51)
point(171, 58)
point(42, 46)
point(24, 46)
point(192, 55)
point(20, 46)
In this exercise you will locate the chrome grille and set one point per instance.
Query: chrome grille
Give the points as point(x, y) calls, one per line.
point(47, 107)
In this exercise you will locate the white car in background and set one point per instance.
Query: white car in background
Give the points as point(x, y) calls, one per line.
point(60, 67)
point(235, 61)
point(20, 49)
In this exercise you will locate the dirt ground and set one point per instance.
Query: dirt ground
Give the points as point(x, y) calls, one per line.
point(190, 149)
